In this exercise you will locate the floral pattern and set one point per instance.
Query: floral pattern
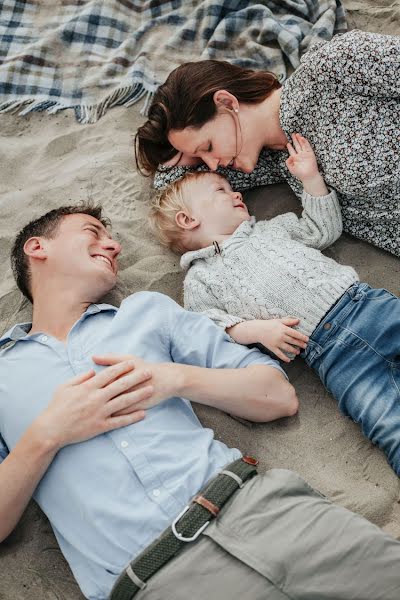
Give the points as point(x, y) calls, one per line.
point(345, 98)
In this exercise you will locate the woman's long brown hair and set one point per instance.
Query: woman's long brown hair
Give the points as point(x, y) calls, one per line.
point(186, 100)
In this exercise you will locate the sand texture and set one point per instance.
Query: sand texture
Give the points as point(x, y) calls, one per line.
point(47, 161)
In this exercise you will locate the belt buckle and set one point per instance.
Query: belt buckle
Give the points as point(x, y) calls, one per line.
point(179, 536)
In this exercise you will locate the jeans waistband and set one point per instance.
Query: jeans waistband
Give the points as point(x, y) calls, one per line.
point(338, 313)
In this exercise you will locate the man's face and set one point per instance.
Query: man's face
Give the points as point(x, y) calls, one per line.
point(83, 254)
point(215, 205)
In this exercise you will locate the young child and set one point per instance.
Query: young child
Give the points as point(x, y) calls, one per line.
point(268, 283)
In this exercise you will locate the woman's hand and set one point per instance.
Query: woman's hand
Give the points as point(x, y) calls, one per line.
point(277, 335)
point(303, 165)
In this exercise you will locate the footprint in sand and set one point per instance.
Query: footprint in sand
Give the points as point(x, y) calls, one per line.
point(122, 191)
point(62, 145)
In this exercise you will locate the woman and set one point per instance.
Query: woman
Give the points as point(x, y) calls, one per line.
point(344, 97)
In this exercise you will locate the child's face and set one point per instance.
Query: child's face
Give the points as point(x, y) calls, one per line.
point(217, 208)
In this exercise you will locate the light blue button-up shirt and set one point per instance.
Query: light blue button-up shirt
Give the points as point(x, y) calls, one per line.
point(109, 497)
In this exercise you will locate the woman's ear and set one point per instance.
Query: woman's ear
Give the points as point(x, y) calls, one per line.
point(185, 221)
point(224, 99)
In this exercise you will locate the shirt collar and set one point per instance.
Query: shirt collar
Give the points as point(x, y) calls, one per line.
point(243, 231)
point(21, 330)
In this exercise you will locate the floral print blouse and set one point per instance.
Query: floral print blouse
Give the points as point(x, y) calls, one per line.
point(345, 99)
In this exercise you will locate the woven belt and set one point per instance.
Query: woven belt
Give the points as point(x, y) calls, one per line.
point(186, 528)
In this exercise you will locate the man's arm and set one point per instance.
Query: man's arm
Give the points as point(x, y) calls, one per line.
point(256, 393)
point(80, 409)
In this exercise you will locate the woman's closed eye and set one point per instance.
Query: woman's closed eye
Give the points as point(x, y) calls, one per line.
point(209, 147)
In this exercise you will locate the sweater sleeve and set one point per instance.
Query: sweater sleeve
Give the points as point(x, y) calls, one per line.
point(319, 225)
point(199, 297)
point(357, 62)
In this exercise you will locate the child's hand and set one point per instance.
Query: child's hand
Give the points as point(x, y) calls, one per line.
point(301, 162)
point(277, 335)
point(303, 165)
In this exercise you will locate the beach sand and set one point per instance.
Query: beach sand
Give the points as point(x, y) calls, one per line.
point(48, 161)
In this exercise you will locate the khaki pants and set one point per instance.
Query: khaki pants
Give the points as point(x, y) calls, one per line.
point(278, 539)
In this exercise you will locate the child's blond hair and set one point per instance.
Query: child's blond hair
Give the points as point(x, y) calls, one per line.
point(163, 210)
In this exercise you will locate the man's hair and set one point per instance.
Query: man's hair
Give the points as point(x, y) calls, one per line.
point(164, 208)
point(186, 99)
point(45, 226)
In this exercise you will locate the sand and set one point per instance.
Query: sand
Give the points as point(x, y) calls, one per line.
point(47, 161)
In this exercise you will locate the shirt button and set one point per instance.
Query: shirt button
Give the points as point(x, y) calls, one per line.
point(124, 444)
point(327, 325)
point(43, 338)
point(156, 493)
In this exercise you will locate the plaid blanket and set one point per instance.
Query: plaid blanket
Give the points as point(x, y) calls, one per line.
point(90, 55)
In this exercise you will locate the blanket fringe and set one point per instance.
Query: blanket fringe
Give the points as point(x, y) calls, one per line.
point(85, 113)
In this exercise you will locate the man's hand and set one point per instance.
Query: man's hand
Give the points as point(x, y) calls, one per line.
point(165, 380)
point(91, 404)
point(277, 335)
point(303, 165)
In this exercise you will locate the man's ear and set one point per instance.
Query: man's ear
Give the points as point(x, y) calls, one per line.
point(35, 248)
point(224, 99)
point(185, 221)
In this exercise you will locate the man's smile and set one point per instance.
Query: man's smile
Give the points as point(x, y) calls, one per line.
point(105, 259)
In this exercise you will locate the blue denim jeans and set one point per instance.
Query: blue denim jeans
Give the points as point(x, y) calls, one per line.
point(356, 352)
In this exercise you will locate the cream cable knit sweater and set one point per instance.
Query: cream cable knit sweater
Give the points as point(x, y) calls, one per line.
point(271, 269)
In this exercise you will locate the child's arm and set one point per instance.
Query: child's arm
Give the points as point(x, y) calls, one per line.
point(198, 297)
point(277, 335)
point(321, 222)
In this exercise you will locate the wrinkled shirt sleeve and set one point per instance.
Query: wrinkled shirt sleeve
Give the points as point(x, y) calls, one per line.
point(3, 450)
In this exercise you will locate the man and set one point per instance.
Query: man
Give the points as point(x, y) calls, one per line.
point(96, 424)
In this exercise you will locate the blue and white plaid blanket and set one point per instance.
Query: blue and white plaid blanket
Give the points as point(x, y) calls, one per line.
point(90, 55)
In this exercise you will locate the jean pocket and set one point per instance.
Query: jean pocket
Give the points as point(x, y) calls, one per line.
point(379, 295)
point(345, 337)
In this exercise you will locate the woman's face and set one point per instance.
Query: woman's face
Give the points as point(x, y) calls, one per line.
point(229, 139)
